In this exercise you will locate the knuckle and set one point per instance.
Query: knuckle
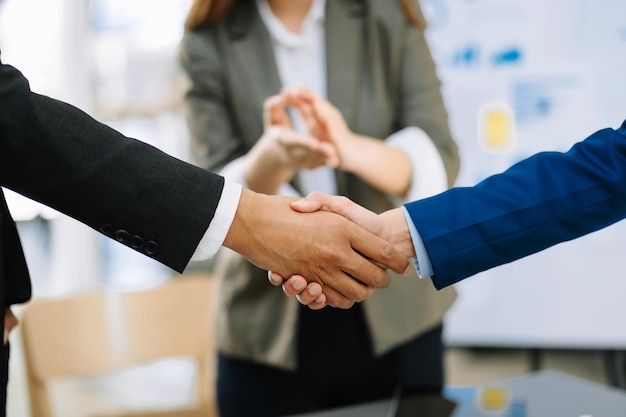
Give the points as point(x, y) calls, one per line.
point(361, 295)
point(340, 302)
point(343, 200)
point(387, 251)
point(315, 194)
point(331, 254)
point(382, 279)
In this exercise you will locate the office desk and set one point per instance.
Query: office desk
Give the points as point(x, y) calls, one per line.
point(538, 394)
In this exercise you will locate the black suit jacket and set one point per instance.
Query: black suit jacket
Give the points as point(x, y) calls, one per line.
point(12, 259)
point(57, 155)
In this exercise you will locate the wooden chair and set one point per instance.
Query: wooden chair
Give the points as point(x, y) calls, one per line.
point(97, 333)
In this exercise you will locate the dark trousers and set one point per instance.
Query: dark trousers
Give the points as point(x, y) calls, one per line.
point(4, 378)
point(336, 368)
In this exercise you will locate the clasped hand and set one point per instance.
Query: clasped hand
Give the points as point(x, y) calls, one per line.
point(282, 150)
point(390, 226)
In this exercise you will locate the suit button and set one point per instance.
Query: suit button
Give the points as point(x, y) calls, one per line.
point(107, 229)
point(136, 242)
point(122, 236)
point(151, 248)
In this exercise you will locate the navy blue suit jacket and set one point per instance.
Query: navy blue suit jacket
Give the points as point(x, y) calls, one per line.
point(546, 199)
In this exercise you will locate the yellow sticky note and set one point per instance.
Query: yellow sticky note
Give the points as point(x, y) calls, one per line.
point(494, 399)
point(496, 127)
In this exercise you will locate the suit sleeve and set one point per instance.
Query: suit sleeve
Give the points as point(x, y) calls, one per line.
point(546, 199)
point(59, 156)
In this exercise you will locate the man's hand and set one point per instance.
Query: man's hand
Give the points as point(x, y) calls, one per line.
point(346, 260)
point(390, 225)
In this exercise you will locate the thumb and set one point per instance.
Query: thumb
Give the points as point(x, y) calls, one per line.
point(306, 205)
point(342, 206)
point(319, 201)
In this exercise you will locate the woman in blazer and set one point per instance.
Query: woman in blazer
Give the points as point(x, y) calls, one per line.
point(370, 60)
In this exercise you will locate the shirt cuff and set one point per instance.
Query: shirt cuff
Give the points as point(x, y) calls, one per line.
point(214, 236)
point(421, 260)
point(428, 174)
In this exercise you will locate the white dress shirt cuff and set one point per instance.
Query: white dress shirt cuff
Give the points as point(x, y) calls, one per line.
point(421, 261)
point(428, 175)
point(219, 226)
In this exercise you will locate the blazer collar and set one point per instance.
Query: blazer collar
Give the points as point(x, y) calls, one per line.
point(240, 19)
point(252, 49)
point(345, 31)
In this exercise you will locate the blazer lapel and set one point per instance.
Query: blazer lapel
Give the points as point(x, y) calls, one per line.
point(253, 53)
point(345, 26)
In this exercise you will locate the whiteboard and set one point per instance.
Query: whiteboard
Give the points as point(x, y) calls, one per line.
point(519, 77)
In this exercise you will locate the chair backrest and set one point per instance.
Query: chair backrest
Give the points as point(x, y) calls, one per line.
point(94, 333)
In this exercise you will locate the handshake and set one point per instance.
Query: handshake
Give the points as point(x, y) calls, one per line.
point(330, 250)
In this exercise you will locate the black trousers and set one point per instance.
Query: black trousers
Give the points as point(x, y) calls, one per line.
point(4, 378)
point(336, 368)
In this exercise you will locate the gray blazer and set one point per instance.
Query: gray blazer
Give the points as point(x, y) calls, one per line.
point(382, 78)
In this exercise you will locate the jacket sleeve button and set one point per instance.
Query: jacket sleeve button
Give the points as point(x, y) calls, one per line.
point(122, 236)
point(107, 229)
point(136, 242)
point(151, 247)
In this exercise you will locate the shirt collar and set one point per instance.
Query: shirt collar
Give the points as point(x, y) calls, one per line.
point(278, 31)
